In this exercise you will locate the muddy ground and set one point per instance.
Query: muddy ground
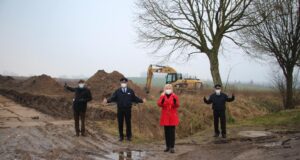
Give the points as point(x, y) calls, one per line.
point(26, 133)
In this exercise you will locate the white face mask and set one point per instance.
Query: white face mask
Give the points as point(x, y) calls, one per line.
point(123, 85)
point(168, 91)
point(218, 91)
point(81, 85)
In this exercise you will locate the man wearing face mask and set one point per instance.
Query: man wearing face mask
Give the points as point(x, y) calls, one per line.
point(124, 97)
point(218, 101)
point(82, 96)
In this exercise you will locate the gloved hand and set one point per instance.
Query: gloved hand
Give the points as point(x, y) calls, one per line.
point(204, 99)
point(174, 100)
point(162, 101)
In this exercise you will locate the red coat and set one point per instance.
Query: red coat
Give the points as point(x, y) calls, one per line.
point(169, 115)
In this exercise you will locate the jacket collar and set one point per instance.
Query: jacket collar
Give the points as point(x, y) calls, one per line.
point(171, 95)
point(121, 89)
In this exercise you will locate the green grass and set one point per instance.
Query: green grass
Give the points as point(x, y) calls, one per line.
point(285, 118)
point(160, 82)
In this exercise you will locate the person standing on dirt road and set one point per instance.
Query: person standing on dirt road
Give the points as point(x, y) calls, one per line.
point(82, 97)
point(169, 103)
point(218, 101)
point(124, 97)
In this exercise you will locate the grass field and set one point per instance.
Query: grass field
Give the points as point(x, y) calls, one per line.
point(284, 118)
point(160, 82)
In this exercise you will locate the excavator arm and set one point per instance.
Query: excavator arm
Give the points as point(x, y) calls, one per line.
point(156, 69)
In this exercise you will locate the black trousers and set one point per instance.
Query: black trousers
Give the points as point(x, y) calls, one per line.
point(220, 115)
point(79, 114)
point(170, 136)
point(124, 114)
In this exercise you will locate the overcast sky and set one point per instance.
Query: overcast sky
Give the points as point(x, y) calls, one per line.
point(78, 37)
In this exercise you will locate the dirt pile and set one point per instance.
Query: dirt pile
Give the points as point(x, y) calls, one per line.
point(6, 81)
point(55, 106)
point(103, 84)
point(6, 78)
point(48, 96)
point(42, 84)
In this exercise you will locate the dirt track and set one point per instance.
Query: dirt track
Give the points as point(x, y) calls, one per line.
point(28, 134)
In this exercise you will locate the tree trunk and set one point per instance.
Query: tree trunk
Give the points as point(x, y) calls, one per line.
point(214, 68)
point(289, 89)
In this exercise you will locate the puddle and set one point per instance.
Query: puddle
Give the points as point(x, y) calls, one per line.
point(127, 155)
point(255, 134)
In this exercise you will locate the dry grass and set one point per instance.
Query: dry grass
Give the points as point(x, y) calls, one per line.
point(195, 116)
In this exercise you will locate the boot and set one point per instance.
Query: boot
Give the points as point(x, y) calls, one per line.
point(167, 149)
point(172, 150)
point(223, 135)
point(216, 135)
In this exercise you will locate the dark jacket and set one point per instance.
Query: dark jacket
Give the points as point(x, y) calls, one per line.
point(82, 96)
point(124, 100)
point(218, 101)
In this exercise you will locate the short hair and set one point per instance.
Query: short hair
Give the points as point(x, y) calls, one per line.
point(168, 86)
point(124, 80)
point(81, 81)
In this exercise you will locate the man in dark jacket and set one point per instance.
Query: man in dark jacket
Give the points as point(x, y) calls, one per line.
point(124, 97)
point(218, 101)
point(82, 96)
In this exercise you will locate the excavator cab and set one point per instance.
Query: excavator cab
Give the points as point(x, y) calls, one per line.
point(173, 77)
point(181, 84)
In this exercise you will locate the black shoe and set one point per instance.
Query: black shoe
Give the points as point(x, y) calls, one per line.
point(121, 139)
point(167, 150)
point(83, 134)
point(223, 135)
point(77, 134)
point(216, 135)
point(128, 139)
point(172, 150)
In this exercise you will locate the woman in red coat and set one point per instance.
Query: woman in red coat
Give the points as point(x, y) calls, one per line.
point(169, 103)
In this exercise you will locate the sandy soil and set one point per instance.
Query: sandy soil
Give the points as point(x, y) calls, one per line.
point(26, 133)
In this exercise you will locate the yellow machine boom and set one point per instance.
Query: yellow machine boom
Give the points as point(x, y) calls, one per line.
point(174, 78)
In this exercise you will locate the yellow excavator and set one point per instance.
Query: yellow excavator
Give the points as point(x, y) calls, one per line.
point(179, 83)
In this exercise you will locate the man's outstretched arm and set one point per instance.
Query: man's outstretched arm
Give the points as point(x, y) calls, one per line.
point(69, 88)
point(207, 101)
point(232, 98)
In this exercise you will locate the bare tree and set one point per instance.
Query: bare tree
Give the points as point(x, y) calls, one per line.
point(279, 82)
point(278, 37)
point(191, 27)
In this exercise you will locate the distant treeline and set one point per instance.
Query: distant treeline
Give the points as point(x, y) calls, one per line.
point(160, 82)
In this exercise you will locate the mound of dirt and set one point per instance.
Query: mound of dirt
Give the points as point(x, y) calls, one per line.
point(6, 78)
point(55, 106)
point(6, 81)
point(103, 84)
point(42, 84)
